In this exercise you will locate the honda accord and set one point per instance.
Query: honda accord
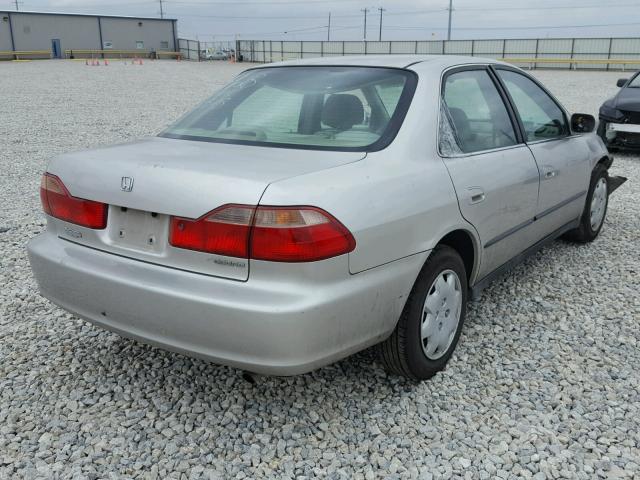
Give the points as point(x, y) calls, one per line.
point(314, 208)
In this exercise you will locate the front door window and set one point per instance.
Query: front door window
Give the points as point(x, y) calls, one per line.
point(542, 118)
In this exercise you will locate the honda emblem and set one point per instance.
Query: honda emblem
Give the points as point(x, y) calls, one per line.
point(126, 184)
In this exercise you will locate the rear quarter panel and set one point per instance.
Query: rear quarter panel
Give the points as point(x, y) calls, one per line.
point(398, 201)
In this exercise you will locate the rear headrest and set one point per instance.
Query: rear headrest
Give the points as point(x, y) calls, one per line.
point(342, 111)
point(461, 123)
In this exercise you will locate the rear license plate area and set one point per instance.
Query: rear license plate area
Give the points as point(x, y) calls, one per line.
point(138, 230)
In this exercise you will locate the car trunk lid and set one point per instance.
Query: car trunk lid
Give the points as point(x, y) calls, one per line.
point(148, 181)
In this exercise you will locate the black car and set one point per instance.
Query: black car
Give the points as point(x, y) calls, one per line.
point(620, 116)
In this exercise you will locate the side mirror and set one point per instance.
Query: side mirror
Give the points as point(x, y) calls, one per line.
point(582, 123)
point(622, 82)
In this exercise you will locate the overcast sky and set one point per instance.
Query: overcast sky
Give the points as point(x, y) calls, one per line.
point(402, 19)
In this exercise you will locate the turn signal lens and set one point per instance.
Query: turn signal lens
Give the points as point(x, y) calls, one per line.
point(279, 234)
point(298, 234)
point(58, 202)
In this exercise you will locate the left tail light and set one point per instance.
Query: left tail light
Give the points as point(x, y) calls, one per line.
point(59, 203)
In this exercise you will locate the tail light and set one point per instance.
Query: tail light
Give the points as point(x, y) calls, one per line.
point(58, 202)
point(279, 234)
point(224, 231)
point(304, 234)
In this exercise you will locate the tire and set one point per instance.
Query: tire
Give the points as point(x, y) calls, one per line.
point(405, 352)
point(592, 220)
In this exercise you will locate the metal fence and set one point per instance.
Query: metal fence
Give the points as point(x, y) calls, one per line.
point(189, 49)
point(198, 50)
point(587, 51)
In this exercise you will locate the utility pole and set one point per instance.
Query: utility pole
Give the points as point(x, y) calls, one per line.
point(380, 34)
point(450, 13)
point(365, 10)
point(329, 28)
point(16, 5)
point(161, 9)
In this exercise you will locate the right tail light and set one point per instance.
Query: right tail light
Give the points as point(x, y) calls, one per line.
point(277, 234)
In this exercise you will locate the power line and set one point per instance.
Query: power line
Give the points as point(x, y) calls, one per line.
point(294, 17)
point(280, 32)
point(397, 13)
point(400, 13)
point(257, 2)
point(536, 27)
point(556, 7)
point(443, 9)
point(401, 27)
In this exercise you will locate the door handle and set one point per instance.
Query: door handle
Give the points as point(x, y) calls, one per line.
point(550, 173)
point(476, 195)
point(477, 198)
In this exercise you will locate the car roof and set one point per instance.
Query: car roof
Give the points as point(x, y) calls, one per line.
point(393, 61)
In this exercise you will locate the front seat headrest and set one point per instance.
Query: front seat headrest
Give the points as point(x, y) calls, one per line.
point(342, 111)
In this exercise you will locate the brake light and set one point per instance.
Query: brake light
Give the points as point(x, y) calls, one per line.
point(298, 234)
point(224, 231)
point(279, 234)
point(58, 202)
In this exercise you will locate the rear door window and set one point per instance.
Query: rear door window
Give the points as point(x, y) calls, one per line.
point(475, 112)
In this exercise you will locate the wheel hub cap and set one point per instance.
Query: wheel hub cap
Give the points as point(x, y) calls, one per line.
point(441, 314)
point(598, 204)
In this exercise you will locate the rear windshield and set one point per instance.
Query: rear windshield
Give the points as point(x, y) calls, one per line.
point(330, 108)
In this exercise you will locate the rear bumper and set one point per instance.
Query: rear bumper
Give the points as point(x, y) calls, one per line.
point(269, 324)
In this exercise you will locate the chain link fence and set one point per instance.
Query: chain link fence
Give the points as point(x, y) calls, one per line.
point(189, 49)
point(199, 51)
point(587, 53)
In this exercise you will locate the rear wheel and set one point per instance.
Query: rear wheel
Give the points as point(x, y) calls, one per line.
point(595, 209)
point(430, 325)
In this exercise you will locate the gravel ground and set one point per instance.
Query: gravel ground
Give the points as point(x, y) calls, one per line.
point(544, 383)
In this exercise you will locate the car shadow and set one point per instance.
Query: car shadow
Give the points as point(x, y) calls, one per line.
point(167, 382)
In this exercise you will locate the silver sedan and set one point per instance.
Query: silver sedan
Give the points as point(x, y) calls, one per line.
point(315, 208)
